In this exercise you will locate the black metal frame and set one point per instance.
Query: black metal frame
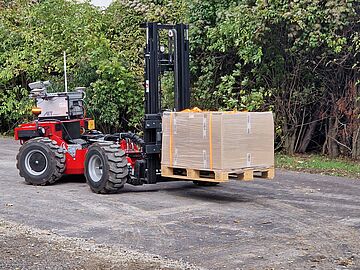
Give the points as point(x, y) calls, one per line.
point(156, 63)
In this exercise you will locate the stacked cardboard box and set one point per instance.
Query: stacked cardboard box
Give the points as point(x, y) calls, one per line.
point(218, 140)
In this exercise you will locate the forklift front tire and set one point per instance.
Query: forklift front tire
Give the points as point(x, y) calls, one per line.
point(106, 169)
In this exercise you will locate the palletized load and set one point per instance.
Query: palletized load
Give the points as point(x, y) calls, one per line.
point(220, 142)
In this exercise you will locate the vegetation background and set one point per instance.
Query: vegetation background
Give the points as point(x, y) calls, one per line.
point(298, 58)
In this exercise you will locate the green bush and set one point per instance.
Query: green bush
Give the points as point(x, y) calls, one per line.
point(299, 59)
point(15, 106)
point(104, 53)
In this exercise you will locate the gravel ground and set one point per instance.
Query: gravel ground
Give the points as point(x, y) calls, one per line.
point(296, 221)
point(23, 247)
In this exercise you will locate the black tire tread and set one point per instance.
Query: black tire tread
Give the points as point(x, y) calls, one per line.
point(60, 159)
point(118, 170)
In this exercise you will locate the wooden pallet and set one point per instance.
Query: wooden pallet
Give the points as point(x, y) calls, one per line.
point(246, 174)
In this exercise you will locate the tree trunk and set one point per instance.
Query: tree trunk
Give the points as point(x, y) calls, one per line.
point(309, 132)
point(355, 153)
point(307, 137)
point(289, 138)
point(332, 147)
point(289, 144)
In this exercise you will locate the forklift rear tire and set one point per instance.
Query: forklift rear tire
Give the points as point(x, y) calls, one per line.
point(41, 161)
point(106, 169)
point(205, 183)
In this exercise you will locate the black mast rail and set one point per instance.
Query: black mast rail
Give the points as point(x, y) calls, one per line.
point(157, 62)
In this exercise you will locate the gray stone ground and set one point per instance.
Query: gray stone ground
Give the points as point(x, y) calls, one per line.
point(296, 221)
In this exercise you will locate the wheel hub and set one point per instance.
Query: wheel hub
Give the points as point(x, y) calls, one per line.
point(95, 168)
point(36, 162)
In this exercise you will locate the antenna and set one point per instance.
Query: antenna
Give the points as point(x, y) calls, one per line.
point(66, 88)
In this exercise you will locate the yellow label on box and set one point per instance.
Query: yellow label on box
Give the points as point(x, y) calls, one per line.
point(91, 124)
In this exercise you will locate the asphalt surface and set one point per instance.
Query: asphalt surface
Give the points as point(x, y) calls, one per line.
point(296, 221)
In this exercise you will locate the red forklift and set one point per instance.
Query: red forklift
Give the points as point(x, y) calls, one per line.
point(61, 140)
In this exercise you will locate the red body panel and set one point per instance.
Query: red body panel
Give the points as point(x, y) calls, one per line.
point(75, 165)
point(50, 127)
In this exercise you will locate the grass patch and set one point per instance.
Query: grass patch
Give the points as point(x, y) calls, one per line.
point(319, 164)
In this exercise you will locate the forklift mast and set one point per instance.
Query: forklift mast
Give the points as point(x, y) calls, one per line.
point(160, 58)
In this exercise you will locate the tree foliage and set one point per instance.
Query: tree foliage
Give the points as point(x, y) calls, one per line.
point(299, 59)
point(104, 53)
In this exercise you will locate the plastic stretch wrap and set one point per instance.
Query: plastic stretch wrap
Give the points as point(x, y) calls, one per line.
point(218, 140)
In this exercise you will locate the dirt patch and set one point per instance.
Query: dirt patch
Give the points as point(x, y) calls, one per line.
point(24, 248)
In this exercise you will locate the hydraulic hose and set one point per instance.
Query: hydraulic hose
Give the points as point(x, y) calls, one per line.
point(133, 137)
point(128, 135)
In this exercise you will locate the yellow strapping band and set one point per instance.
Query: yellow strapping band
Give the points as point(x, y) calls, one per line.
point(210, 141)
point(171, 140)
